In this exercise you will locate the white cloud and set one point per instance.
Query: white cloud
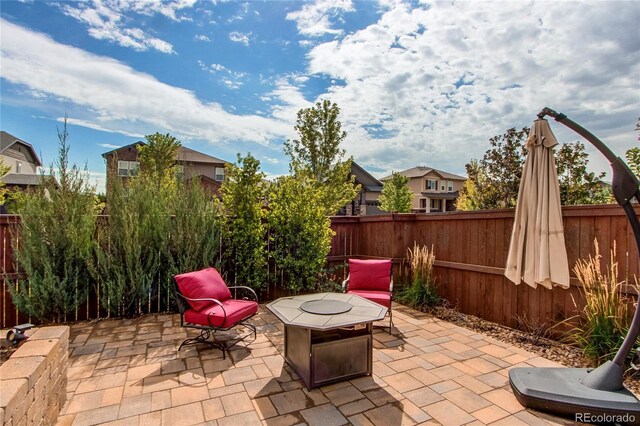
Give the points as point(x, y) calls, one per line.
point(107, 20)
point(239, 37)
point(109, 146)
point(119, 98)
point(398, 80)
point(202, 37)
point(314, 19)
point(95, 126)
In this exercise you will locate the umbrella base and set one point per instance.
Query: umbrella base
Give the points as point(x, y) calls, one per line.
point(560, 391)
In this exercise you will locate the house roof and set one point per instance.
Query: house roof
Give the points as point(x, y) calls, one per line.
point(365, 178)
point(7, 140)
point(183, 154)
point(420, 171)
point(22, 179)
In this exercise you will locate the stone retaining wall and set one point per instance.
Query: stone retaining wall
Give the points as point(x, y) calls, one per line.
point(33, 381)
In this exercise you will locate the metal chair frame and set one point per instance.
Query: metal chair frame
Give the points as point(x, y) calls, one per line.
point(207, 332)
point(390, 311)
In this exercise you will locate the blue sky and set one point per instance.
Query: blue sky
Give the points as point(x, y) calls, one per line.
point(419, 83)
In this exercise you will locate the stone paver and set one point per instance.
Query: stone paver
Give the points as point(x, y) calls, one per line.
point(129, 372)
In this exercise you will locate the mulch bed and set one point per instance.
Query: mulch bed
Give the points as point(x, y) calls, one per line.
point(553, 350)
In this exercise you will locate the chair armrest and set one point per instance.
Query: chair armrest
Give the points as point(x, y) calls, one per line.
point(245, 288)
point(216, 301)
point(344, 284)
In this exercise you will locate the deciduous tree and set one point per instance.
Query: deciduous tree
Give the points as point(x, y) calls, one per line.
point(317, 154)
point(396, 197)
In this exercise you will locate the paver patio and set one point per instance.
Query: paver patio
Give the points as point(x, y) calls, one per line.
point(129, 372)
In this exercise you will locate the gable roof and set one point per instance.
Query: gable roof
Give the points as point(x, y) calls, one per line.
point(183, 154)
point(420, 171)
point(7, 140)
point(365, 178)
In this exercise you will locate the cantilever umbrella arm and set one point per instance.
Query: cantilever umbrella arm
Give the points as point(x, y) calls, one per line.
point(625, 188)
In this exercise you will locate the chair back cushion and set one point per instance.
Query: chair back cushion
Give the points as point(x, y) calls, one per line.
point(206, 283)
point(369, 274)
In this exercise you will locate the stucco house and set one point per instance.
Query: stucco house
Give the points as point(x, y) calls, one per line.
point(123, 162)
point(23, 161)
point(433, 190)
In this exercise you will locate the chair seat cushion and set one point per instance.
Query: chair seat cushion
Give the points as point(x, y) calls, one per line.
point(380, 297)
point(236, 311)
point(204, 284)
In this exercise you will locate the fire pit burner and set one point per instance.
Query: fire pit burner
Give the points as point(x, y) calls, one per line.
point(326, 307)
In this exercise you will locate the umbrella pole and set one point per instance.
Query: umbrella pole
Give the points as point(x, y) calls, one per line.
point(578, 392)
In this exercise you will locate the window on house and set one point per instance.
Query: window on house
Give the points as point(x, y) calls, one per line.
point(18, 167)
point(219, 174)
point(450, 186)
point(128, 168)
point(435, 204)
point(443, 185)
point(423, 203)
point(431, 184)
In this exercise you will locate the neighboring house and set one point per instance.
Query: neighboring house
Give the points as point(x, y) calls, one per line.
point(433, 190)
point(124, 163)
point(23, 161)
point(366, 202)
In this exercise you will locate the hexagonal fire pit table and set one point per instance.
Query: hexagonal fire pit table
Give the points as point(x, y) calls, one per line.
point(328, 336)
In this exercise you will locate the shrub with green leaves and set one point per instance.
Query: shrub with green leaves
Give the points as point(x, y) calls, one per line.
point(422, 292)
point(244, 232)
point(605, 318)
point(55, 243)
point(300, 231)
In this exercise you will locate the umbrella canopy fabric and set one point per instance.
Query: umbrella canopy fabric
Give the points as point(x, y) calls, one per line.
point(537, 253)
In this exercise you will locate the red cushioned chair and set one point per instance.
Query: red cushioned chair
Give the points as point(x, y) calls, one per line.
point(206, 304)
point(372, 280)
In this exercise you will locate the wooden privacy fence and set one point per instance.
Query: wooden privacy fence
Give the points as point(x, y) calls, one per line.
point(471, 252)
point(470, 248)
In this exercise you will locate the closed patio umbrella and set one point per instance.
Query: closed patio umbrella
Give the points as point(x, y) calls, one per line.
point(537, 254)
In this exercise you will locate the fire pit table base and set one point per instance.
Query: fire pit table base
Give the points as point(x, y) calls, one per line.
point(323, 357)
point(328, 336)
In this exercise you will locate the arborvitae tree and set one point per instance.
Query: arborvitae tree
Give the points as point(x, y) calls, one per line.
point(300, 232)
point(316, 154)
point(396, 197)
point(244, 233)
point(55, 242)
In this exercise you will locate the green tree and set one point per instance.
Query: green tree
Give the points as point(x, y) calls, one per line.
point(158, 160)
point(300, 232)
point(244, 233)
point(633, 155)
point(56, 241)
point(396, 197)
point(502, 167)
point(317, 154)
point(494, 181)
point(4, 169)
point(135, 261)
point(577, 185)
